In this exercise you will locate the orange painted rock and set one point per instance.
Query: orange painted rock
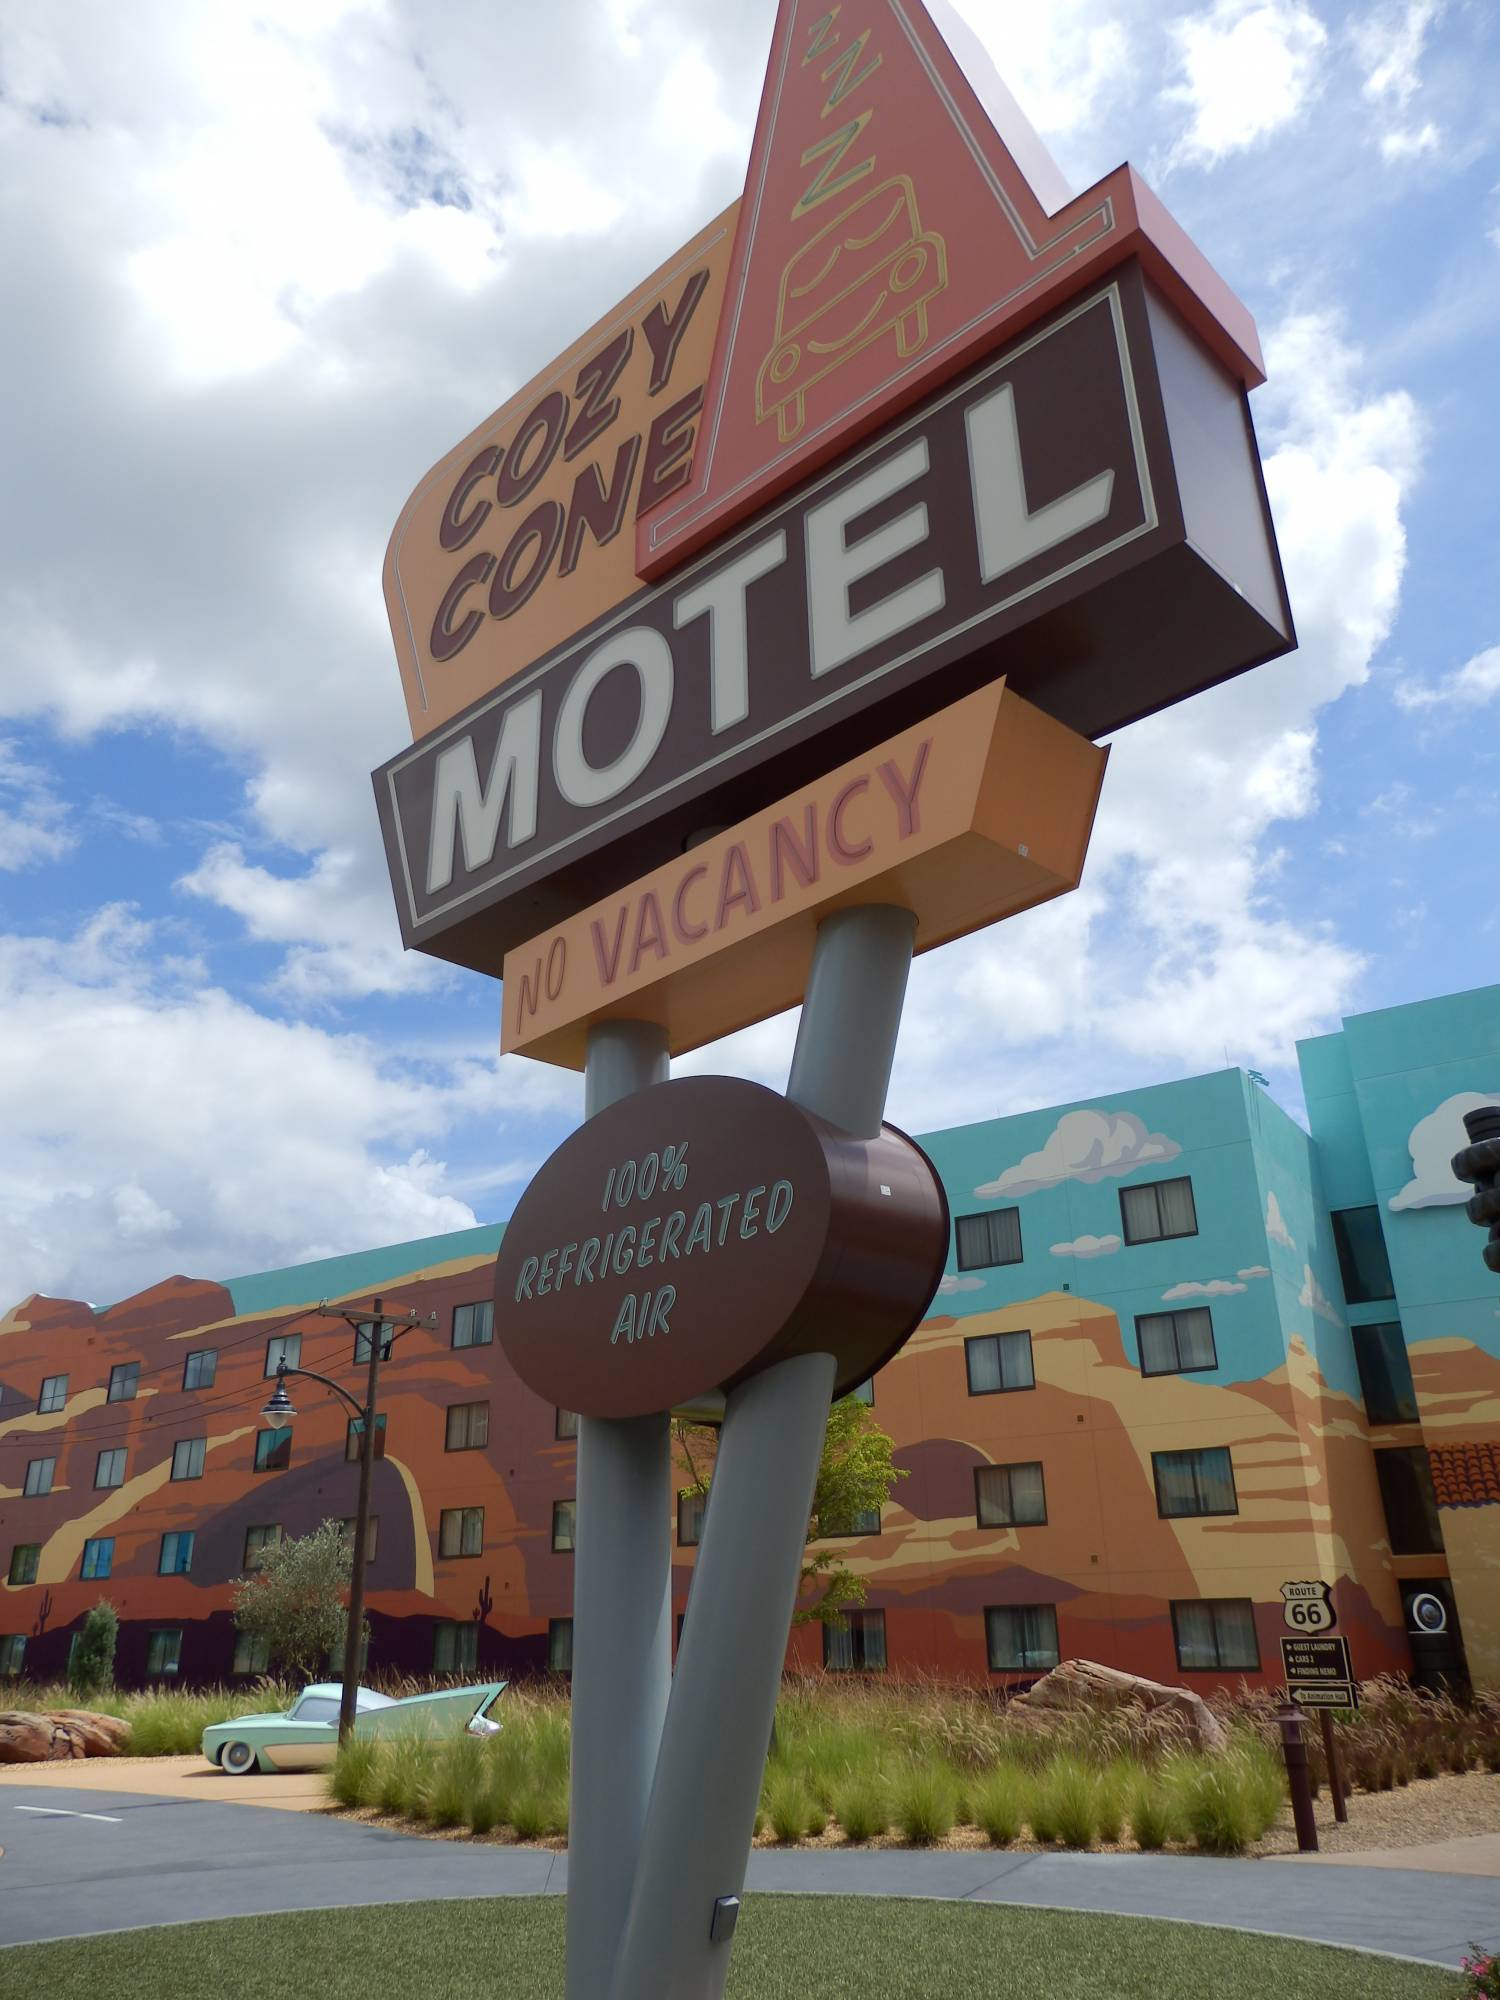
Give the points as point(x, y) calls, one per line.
point(1083, 1684)
point(102, 1735)
point(26, 1738)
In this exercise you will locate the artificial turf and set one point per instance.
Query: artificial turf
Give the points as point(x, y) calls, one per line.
point(797, 1946)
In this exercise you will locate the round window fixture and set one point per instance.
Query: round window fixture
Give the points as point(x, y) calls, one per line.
point(1428, 1613)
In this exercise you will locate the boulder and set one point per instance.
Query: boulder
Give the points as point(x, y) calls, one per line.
point(1085, 1684)
point(26, 1738)
point(103, 1735)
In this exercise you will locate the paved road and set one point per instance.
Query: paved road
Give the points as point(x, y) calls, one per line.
point(78, 1862)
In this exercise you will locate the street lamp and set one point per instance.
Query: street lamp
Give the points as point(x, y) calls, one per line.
point(382, 1331)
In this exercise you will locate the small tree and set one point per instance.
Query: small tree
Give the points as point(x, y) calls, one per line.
point(296, 1600)
point(92, 1667)
point(855, 1475)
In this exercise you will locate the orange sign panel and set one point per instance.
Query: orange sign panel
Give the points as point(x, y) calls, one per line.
point(980, 811)
point(889, 235)
point(524, 533)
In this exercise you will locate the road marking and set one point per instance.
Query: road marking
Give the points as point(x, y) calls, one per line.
point(61, 1812)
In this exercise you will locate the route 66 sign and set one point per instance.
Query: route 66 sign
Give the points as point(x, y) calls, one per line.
point(1308, 1607)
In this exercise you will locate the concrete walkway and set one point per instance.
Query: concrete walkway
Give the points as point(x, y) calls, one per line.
point(1467, 1854)
point(189, 1777)
point(86, 1860)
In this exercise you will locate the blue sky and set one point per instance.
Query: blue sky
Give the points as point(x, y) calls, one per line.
point(267, 263)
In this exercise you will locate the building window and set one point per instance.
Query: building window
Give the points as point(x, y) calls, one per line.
point(1363, 1264)
point(285, 1347)
point(273, 1449)
point(164, 1650)
point(1022, 1638)
point(1215, 1635)
point(98, 1558)
point(200, 1368)
point(24, 1558)
point(1176, 1343)
point(12, 1653)
point(176, 1557)
point(354, 1432)
point(991, 1238)
point(372, 1534)
point(109, 1468)
point(336, 1662)
point(54, 1394)
point(560, 1645)
point(864, 1392)
point(1385, 1373)
point(474, 1326)
point(999, 1361)
point(455, 1646)
point(258, 1540)
point(124, 1379)
point(252, 1653)
point(854, 1642)
point(187, 1458)
point(690, 1511)
point(863, 1521)
point(1010, 1496)
point(461, 1531)
point(1165, 1208)
point(564, 1514)
point(1411, 1515)
point(363, 1338)
point(1194, 1482)
point(39, 1473)
point(468, 1427)
point(566, 1425)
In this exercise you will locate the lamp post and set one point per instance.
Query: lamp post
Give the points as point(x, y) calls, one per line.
point(382, 1331)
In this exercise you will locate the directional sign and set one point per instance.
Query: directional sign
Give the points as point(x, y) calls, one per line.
point(1308, 1607)
point(1318, 1673)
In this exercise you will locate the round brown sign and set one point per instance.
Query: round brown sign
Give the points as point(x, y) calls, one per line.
point(703, 1229)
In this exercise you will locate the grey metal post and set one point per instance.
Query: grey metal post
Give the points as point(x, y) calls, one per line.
point(713, 1749)
point(622, 1607)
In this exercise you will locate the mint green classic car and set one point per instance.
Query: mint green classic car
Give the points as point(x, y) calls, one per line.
point(306, 1736)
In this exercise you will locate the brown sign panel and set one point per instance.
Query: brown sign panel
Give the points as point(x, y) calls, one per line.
point(1318, 1673)
point(1083, 514)
point(703, 1229)
point(981, 811)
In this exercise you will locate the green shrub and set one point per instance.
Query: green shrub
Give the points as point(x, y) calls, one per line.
point(1153, 1820)
point(998, 1803)
point(1218, 1801)
point(455, 1772)
point(528, 1812)
point(92, 1667)
point(352, 1782)
point(1265, 1783)
point(862, 1807)
point(1040, 1812)
point(1074, 1793)
point(926, 1803)
point(789, 1804)
point(401, 1774)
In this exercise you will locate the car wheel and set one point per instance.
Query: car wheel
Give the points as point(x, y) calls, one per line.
point(238, 1759)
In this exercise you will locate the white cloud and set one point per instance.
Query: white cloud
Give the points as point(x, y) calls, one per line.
point(34, 821)
point(1477, 681)
point(1433, 1142)
point(1388, 46)
point(1410, 142)
point(1254, 1271)
point(1216, 1288)
point(1087, 1246)
point(1249, 68)
point(1276, 1228)
point(1312, 1294)
point(949, 1284)
point(1084, 1146)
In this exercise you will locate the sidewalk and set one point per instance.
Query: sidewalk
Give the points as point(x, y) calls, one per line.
point(1471, 1854)
point(190, 1777)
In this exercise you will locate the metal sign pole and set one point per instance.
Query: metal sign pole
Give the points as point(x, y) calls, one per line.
point(713, 1749)
point(622, 1606)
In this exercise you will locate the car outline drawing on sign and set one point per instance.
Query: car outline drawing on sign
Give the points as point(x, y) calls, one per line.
point(910, 267)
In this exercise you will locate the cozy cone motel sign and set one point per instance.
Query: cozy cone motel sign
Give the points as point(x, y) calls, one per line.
point(807, 580)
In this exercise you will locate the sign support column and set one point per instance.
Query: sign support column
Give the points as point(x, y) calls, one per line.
point(622, 1606)
point(713, 1752)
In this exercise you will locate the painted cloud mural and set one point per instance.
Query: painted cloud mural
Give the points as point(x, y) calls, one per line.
point(1084, 1146)
point(1087, 1246)
point(1433, 1142)
point(1276, 1229)
point(1216, 1288)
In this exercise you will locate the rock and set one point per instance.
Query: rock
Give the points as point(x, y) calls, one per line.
point(1085, 1684)
point(26, 1738)
point(103, 1735)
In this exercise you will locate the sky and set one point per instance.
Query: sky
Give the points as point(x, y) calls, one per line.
point(266, 263)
